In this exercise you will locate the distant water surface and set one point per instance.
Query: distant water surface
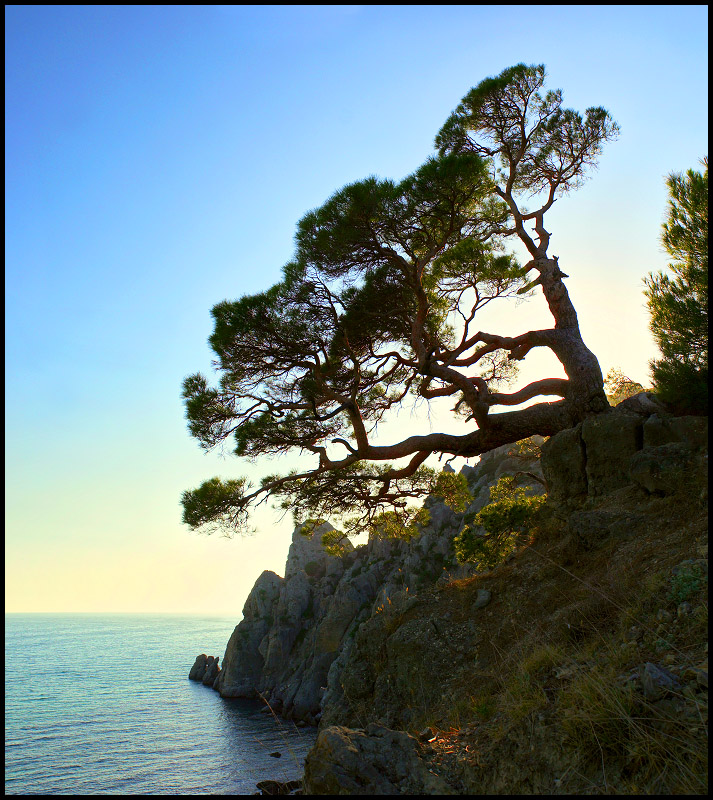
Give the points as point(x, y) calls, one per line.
point(102, 704)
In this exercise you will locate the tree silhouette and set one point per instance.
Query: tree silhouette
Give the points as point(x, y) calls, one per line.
point(380, 303)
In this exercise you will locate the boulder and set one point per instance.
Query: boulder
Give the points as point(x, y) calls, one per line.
point(198, 669)
point(644, 404)
point(662, 469)
point(563, 464)
point(211, 671)
point(369, 762)
point(610, 440)
point(657, 681)
point(692, 431)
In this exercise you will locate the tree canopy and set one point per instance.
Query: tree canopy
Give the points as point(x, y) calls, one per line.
point(380, 305)
point(679, 305)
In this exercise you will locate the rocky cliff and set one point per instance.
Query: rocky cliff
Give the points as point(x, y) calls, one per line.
point(577, 667)
point(571, 668)
point(297, 630)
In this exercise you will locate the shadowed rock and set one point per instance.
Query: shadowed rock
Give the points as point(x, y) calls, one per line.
point(198, 669)
point(372, 761)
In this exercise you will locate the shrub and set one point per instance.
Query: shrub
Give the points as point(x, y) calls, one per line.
point(508, 521)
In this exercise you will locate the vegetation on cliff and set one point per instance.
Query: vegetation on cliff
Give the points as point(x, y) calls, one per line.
point(577, 665)
point(381, 304)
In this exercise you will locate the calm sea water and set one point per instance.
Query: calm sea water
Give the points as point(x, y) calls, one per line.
point(102, 704)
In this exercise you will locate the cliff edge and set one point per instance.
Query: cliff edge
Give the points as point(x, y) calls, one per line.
point(578, 666)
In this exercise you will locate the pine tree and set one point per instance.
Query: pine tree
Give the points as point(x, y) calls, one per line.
point(678, 303)
point(381, 305)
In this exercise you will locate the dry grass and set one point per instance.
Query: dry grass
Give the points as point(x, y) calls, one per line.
point(546, 696)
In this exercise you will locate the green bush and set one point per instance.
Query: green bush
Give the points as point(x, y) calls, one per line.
point(686, 582)
point(508, 521)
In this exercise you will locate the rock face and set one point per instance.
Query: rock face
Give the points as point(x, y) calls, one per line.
point(243, 661)
point(612, 451)
point(198, 669)
point(205, 670)
point(297, 632)
point(357, 642)
point(212, 670)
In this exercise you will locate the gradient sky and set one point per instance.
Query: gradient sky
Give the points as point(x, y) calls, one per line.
point(157, 162)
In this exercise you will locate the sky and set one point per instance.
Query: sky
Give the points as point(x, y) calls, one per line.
point(158, 159)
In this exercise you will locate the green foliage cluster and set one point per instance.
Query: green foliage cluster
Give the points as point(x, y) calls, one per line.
point(215, 503)
point(452, 488)
point(508, 521)
point(391, 525)
point(380, 306)
point(335, 542)
point(527, 449)
point(678, 304)
point(686, 582)
point(618, 387)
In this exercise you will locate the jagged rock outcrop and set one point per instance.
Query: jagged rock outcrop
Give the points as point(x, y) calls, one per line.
point(609, 452)
point(243, 662)
point(297, 631)
point(607, 480)
point(198, 669)
point(212, 670)
point(366, 645)
point(205, 670)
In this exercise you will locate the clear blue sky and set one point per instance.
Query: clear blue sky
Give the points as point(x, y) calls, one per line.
point(157, 161)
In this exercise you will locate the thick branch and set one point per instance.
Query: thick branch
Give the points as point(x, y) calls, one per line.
point(547, 386)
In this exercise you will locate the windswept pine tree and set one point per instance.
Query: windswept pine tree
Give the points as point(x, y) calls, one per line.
point(380, 304)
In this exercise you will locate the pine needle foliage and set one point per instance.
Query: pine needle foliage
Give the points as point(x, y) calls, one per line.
point(507, 522)
point(380, 307)
point(678, 302)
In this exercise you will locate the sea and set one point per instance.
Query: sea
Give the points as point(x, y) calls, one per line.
point(102, 704)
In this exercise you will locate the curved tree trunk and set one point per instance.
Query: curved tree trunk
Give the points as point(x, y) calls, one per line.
point(585, 389)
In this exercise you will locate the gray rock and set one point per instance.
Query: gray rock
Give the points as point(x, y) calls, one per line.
point(211, 671)
point(662, 469)
point(482, 598)
point(563, 464)
point(243, 662)
point(657, 681)
point(426, 735)
point(610, 440)
point(644, 404)
point(298, 633)
point(198, 669)
point(306, 550)
point(692, 431)
point(374, 761)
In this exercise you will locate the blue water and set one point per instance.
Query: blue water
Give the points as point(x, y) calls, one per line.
point(102, 704)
